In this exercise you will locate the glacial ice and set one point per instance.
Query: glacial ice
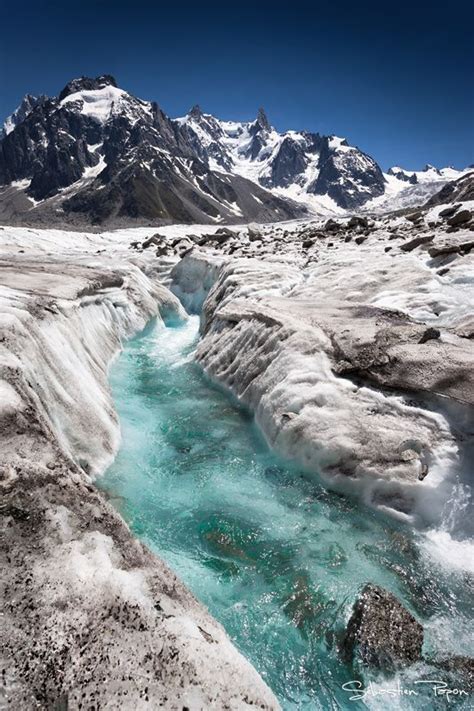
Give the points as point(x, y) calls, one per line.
point(102, 601)
point(277, 332)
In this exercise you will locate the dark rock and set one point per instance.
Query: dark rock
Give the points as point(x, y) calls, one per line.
point(381, 632)
point(431, 334)
point(357, 221)
point(414, 217)
point(462, 667)
point(87, 84)
point(460, 218)
point(349, 177)
point(307, 243)
point(451, 248)
point(401, 175)
point(155, 239)
point(253, 234)
point(331, 225)
point(221, 235)
point(449, 211)
point(414, 243)
point(423, 473)
point(460, 190)
point(360, 239)
point(443, 271)
point(387, 249)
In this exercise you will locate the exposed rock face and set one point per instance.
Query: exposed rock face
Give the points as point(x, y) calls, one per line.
point(460, 190)
point(349, 177)
point(26, 107)
point(90, 616)
point(381, 632)
point(402, 175)
point(115, 158)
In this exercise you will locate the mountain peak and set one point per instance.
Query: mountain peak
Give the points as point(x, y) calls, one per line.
point(27, 105)
point(87, 84)
point(196, 112)
point(262, 120)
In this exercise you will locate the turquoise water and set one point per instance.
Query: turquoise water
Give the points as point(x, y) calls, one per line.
point(277, 559)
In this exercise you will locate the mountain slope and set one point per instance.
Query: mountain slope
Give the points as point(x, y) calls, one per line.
point(95, 153)
point(293, 164)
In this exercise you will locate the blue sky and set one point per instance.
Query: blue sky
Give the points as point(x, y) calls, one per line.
point(395, 78)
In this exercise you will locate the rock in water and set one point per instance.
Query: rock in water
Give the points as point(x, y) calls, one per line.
point(381, 632)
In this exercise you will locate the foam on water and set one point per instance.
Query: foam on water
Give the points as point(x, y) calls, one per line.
point(275, 557)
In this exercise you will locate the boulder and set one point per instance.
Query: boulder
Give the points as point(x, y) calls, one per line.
point(460, 666)
point(155, 239)
point(381, 632)
point(414, 216)
point(414, 243)
point(253, 234)
point(431, 334)
point(449, 211)
point(221, 235)
point(460, 218)
point(332, 226)
point(357, 221)
point(451, 248)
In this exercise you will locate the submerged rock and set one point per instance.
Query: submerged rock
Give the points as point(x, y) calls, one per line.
point(381, 633)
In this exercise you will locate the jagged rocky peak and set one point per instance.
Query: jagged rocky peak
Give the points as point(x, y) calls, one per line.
point(96, 153)
point(99, 151)
point(261, 123)
point(27, 105)
point(87, 84)
point(196, 112)
point(403, 175)
point(431, 168)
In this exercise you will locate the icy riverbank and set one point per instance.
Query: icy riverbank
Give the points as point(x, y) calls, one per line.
point(377, 401)
point(91, 616)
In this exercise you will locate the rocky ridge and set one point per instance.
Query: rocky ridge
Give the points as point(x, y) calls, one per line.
point(96, 155)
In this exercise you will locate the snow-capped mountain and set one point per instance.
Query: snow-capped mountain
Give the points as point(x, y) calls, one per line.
point(297, 165)
point(405, 188)
point(95, 153)
point(26, 107)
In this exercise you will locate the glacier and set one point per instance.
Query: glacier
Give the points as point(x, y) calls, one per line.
point(85, 601)
point(349, 342)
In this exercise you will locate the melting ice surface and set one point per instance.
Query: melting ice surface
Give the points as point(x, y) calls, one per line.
point(276, 558)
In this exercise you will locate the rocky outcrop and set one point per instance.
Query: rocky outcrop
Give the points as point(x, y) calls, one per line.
point(349, 177)
point(90, 617)
point(459, 190)
point(381, 633)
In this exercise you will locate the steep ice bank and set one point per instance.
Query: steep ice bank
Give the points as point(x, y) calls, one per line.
point(284, 358)
point(91, 617)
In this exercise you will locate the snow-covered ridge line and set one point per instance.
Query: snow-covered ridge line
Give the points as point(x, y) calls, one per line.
point(196, 168)
point(102, 600)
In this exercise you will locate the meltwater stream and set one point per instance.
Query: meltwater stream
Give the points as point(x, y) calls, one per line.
point(277, 559)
